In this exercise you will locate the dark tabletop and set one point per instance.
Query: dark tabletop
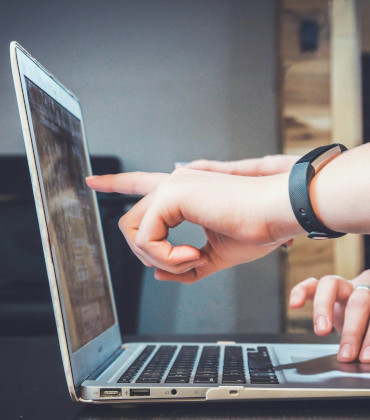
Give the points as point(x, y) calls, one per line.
point(33, 387)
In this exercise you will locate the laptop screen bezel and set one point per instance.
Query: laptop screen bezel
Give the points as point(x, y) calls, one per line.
point(89, 357)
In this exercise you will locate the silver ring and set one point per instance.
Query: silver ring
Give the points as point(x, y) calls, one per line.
point(362, 286)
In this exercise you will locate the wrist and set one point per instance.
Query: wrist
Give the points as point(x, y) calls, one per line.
point(281, 220)
point(300, 178)
point(337, 190)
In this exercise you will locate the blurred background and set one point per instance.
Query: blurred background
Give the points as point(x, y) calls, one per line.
point(166, 81)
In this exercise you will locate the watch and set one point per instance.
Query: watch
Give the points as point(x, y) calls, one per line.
point(299, 189)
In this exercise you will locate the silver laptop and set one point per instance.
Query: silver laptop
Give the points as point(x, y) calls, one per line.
point(98, 366)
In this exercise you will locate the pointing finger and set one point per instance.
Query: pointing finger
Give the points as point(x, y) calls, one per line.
point(141, 183)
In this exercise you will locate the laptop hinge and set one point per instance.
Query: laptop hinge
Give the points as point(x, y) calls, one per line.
point(101, 369)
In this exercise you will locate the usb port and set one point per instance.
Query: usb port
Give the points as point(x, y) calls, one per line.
point(110, 392)
point(140, 392)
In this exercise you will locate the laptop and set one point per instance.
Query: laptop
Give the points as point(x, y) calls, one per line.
point(99, 366)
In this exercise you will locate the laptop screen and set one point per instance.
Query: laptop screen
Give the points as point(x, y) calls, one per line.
point(77, 251)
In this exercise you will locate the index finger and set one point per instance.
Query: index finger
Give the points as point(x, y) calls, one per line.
point(140, 183)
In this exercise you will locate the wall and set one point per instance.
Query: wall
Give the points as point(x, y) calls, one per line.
point(160, 82)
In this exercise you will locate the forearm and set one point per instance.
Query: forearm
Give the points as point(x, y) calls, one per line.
point(340, 192)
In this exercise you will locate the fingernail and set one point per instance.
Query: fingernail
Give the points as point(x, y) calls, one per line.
point(91, 177)
point(346, 351)
point(365, 356)
point(321, 324)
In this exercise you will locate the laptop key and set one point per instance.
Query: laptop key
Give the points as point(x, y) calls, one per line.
point(148, 380)
point(261, 381)
point(205, 379)
point(233, 379)
point(177, 379)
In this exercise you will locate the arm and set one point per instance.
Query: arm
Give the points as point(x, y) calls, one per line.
point(244, 217)
point(329, 190)
point(340, 192)
point(338, 304)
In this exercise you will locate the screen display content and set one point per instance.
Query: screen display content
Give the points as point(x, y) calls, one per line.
point(77, 251)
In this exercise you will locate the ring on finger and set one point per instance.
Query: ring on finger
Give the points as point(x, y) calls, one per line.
point(362, 286)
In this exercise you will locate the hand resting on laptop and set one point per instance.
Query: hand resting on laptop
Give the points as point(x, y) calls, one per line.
point(338, 303)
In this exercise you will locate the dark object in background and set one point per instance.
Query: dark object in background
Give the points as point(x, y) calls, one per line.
point(25, 303)
point(309, 35)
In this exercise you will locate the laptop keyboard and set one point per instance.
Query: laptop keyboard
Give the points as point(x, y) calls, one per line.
point(205, 368)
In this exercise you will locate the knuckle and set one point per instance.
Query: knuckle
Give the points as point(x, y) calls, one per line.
point(329, 280)
point(267, 161)
point(202, 162)
point(365, 275)
point(180, 171)
point(122, 223)
point(146, 263)
point(297, 287)
point(166, 190)
point(140, 242)
point(309, 281)
point(267, 158)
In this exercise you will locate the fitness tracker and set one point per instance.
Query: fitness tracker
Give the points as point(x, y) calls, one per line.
point(299, 184)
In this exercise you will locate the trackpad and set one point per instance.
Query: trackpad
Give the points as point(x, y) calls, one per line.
point(323, 369)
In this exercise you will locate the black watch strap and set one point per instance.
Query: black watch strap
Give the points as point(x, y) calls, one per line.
point(299, 189)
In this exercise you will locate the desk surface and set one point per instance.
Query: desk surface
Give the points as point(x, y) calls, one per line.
point(33, 387)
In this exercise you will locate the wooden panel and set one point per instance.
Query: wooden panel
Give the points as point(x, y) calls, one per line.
point(347, 113)
point(305, 112)
point(319, 104)
point(305, 78)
